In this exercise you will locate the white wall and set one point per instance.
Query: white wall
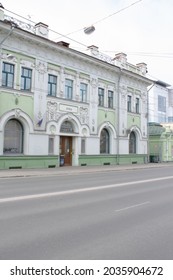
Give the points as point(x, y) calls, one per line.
point(93, 146)
point(38, 144)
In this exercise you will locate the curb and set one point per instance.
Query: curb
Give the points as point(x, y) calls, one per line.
point(61, 171)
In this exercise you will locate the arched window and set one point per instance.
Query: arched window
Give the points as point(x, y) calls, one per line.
point(132, 143)
point(67, 127)
point(13, 137)
point(104, 141)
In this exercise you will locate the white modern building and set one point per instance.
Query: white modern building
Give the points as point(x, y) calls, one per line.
point(160, 102)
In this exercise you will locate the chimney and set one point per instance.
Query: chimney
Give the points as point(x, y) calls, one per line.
point(93, 50)
point(142, 67)
point(42, 30)
point(63, 44)
point(121, 57)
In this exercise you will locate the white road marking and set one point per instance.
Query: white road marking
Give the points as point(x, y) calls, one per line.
point(51, 194)
point(133, 206)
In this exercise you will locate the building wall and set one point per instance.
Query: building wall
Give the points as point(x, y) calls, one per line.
point(157, 114)
point(42, 115)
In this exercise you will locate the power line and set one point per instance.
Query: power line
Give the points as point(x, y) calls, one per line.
point(102, 19)
point(117, 12)
point(32, 22)
point(81, 29)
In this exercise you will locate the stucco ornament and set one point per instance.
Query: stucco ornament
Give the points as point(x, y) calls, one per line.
point(84, 118)
point(41, 67)
point(94, 82)
point(52, 129)
point(17, 113)
point(84, 131)
point(52, 114)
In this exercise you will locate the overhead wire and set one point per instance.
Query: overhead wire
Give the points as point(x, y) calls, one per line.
point(148, 54)
point(104, 18)
point(62, 35)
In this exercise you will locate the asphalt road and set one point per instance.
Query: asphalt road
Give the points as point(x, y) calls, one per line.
point(104, 215)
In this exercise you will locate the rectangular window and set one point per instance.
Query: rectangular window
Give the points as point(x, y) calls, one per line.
point(137, 105)
point(83, 146)
point(83, 92)
point(8, 75)
point(52, 85)
point(161, 118)
point(101, 97)
point(110, 99)
point(68, 89)
point(170, 119)
point(161, 103)
point(26, 77)
point(51, 145)
point(129, 103)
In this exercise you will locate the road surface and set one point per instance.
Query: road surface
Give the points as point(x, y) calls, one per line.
point(110, 215)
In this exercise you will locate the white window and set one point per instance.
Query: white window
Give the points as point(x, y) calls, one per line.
point(83, 92)
point(51, 145)
point(68, 89)
point(101, 97)
point(83, 144)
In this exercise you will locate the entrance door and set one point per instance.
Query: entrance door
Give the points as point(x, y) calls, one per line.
point(66, 149)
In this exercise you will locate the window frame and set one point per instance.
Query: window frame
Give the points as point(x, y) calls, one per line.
point(110, 99)
point(162, 103)
point(132, 143)
point(104, 141)
point(101, 93)
point(15, 137)
point(83, 146)
point(129, 103)
point(52, 85)
point(83, 92)
point(68, 89)
point(51, 145)
point(137, 105)
point(6, 74)
point(26, 79)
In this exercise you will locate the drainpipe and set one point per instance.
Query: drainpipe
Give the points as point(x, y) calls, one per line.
point(118, 116)
point(9, 33)
point(148, 159)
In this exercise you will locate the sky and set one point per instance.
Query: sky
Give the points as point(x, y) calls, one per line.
point(143, 30)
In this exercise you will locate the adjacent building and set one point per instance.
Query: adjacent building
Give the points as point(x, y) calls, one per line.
point(59, 106)
point(160, 102)
point(160, 109)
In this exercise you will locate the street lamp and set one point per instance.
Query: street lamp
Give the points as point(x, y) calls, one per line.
point(89, 30)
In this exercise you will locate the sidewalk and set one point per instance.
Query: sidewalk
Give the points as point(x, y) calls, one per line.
point(74, 170)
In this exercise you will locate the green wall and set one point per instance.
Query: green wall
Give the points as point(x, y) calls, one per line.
point(133, 119)
point(10, 162)
point(11, 101)
point(112, 159)
point(105, 115)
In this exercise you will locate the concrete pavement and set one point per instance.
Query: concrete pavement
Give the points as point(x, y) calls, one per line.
point(69, 170)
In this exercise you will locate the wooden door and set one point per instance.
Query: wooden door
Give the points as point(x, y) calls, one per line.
point(66, 149)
